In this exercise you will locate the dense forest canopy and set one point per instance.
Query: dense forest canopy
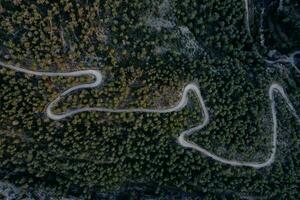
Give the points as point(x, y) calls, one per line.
point(147, 52)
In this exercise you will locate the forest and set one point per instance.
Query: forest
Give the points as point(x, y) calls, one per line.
point(148, 51)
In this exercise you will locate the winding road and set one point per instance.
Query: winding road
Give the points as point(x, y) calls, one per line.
point(247, 17)
point(181, 104)
point(274, 87)
point(287, 59)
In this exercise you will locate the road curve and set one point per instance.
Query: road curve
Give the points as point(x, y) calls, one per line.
point(181, 104)
point(98, 80)
point(287, 59)
point(274, 87)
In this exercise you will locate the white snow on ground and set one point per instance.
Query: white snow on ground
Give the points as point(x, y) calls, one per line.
point(191, 46)
point(280, 6)
point(164, 8)
point(158, 23)
point(184, 47)
point(185, 41)
point(11, 192)
point(161, 20)
point(179, 106)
